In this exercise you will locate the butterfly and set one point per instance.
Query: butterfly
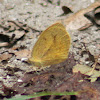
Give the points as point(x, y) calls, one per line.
point(52, 47)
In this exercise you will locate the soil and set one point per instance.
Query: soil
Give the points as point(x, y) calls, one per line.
point(21, 23)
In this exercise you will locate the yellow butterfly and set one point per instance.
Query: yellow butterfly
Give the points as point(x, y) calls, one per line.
point(52, 47)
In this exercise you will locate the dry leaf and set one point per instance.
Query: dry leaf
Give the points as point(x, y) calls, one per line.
point(5, 56)
point(22, 54)
point(66, 10)
point(83, 69)
point(78, 20)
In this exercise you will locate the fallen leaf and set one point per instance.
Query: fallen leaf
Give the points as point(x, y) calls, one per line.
point(66, 11)
point(85, 27)
point(94, 16)
point(78, 20)
point(5, 56)
point(83, 69)
point(22, 54)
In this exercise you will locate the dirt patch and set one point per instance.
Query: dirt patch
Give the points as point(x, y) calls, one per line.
point(21, 23)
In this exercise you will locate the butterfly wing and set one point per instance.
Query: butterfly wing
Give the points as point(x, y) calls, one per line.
point(52, 47)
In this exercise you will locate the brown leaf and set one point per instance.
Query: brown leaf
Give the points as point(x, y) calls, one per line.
point(87, 91)
point(78, 20)
point(5, 56)
point(66, 10)
point(85, 27)
point(22, 54)
point(86, 70)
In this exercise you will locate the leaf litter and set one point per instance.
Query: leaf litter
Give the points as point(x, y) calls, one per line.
point(16, 78)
